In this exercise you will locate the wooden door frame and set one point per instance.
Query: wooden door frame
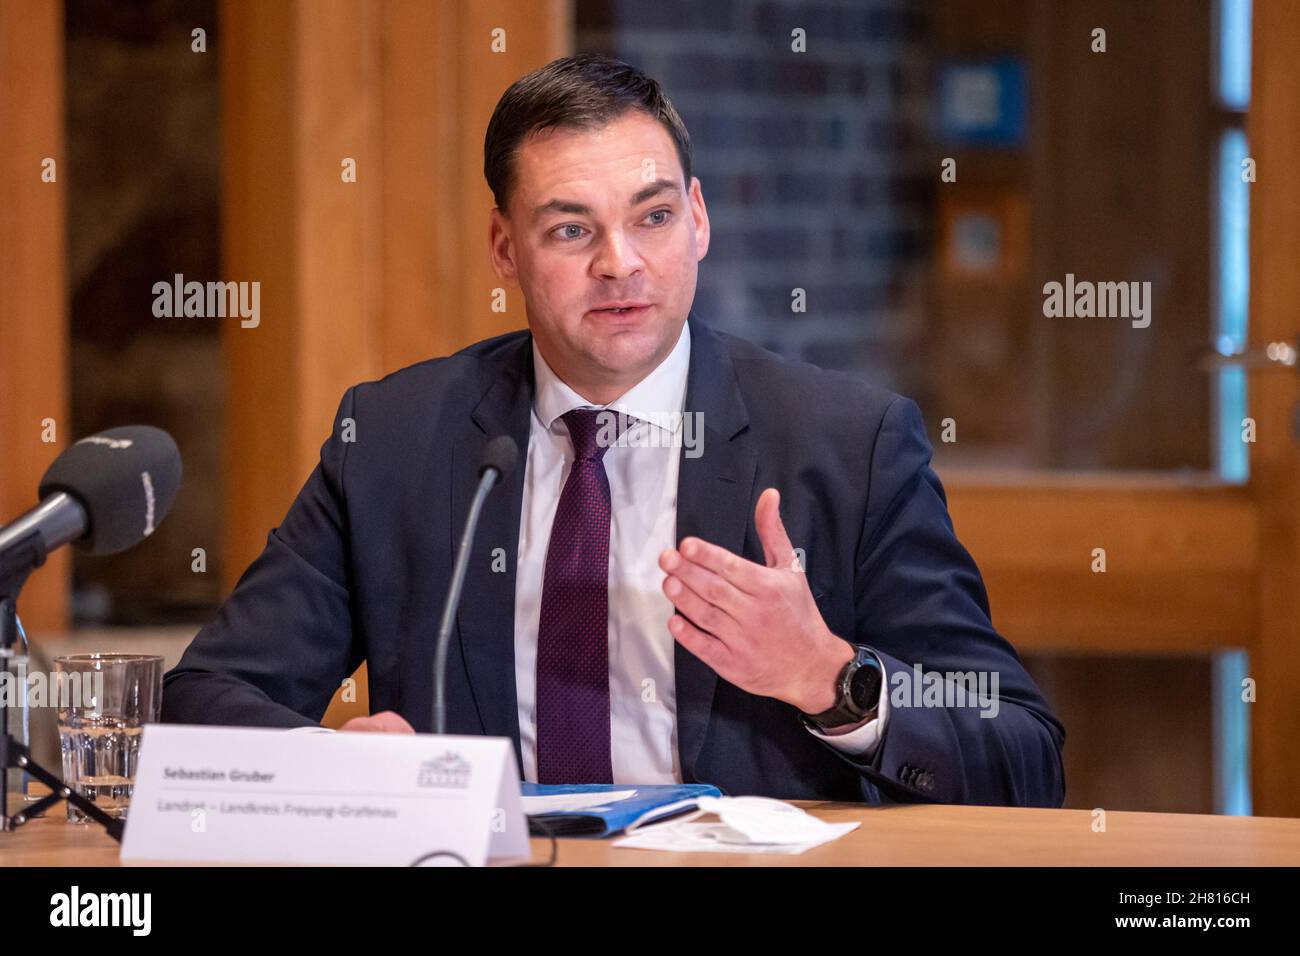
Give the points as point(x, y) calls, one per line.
point(1193, 565)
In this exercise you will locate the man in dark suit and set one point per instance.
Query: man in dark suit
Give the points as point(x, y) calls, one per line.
point(714, 564)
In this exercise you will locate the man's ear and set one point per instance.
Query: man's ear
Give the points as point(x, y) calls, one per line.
point(501, 247)
point(701, 216)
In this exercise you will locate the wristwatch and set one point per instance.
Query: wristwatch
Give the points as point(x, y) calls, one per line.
point(857, 693)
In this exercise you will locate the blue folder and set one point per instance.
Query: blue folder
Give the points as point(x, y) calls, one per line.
point(604, 821)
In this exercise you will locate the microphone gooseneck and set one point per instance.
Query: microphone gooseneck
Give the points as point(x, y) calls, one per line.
point(497, 460)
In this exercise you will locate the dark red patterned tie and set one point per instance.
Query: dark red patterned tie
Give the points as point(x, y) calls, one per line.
point(573, 632)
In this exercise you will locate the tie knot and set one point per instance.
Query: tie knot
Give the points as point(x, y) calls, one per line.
point(593, 431)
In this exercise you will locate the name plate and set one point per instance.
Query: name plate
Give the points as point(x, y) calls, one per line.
point(244, 795)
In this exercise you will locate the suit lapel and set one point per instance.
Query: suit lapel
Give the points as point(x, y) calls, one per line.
point(486, 617)
point(714, 495)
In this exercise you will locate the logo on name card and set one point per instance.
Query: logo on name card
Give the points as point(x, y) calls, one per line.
point(450, 771)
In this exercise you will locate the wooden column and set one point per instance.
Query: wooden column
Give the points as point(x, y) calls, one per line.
point(357, 278)
point(33, 285)
point(1274, 136)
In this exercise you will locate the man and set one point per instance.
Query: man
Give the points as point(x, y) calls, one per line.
point(713, 565)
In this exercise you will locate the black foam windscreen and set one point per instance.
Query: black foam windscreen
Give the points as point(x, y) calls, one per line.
point(126, 478)
point(501, 453)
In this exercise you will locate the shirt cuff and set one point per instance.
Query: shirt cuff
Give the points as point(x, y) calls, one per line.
point(310, 730)
point(863, 741)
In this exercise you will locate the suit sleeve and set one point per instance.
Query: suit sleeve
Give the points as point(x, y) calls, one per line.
point(282, 642)
point(920, 603)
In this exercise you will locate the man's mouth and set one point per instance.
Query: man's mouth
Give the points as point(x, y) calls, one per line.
point(628, 309)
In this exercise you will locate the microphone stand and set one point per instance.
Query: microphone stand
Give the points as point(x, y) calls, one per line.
point(489, 476)
point(485, 485)
point(16, 564)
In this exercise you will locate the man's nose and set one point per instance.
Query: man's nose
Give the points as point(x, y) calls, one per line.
point(616, 257)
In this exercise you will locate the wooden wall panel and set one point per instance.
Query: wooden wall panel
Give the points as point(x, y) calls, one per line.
point(1273, 128)
point(33, 296)
point(1181, 561)
point(259, 231)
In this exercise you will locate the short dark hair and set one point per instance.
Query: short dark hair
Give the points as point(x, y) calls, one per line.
point(586, 91)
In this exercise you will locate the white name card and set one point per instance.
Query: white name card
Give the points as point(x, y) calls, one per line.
point(245, 795)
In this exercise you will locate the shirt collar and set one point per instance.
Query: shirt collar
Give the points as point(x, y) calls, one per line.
point(658, 398)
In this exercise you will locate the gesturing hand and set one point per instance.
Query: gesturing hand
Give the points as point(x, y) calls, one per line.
point(757, 626)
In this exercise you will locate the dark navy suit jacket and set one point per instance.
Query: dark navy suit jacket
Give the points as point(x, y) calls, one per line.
point(358, 570)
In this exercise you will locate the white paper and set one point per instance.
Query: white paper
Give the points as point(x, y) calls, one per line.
point(691, 837)
point(744, 825)
point(568, 802)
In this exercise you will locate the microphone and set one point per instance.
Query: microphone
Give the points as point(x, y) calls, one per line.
point(496, 461)
point(104, 493)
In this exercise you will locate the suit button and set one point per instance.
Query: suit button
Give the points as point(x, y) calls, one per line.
point(925, 782)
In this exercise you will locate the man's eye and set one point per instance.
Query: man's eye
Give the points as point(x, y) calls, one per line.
point(569, 232)
point(665, 213)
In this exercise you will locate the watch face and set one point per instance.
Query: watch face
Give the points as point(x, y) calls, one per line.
point(864, 688)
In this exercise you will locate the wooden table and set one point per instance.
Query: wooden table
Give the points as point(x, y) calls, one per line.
point(890, 836)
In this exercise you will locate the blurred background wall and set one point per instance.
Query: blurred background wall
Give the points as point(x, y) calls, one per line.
point(890, 183)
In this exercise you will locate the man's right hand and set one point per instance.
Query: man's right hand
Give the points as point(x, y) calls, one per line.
point(384, 722)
